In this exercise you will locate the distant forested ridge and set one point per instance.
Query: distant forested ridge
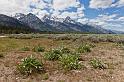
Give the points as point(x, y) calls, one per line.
point(15, 30)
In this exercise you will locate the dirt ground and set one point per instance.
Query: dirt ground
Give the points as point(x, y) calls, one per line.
point(108, 52)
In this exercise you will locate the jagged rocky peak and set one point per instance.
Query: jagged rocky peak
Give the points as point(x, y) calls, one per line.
point(19, 15)
point(54, 18)
point(31, 17)
point(69, 20)
point(30, 14)
point(46, 17)
point(57, 19)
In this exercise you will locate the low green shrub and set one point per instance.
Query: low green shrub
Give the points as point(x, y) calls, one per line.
point(53, 54)
point(30, 65)
point(84, 48)
point(25, 49)
point(120, 45)
point(65, 50)
point(38, 49)
point(97, 64)
point(69, 62)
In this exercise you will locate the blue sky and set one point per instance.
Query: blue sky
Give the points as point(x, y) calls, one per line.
point(108, 14)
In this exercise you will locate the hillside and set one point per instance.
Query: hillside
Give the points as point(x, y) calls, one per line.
point(11, 25)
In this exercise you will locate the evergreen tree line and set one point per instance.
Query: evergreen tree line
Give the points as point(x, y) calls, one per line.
point(15, 30)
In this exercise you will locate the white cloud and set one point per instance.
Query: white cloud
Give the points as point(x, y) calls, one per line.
point(10, 7)
point(106, 17)
point(121, 19)
point(83, 20)
point(73, 15)
point(40, 4)
point(120, 3)
point(100, 4)
point(64, 4)
point(80, 11)
point(40, 13)
point(56, 13)
point(113, 22)
point(99, 20)
point(96, 4)
point(103, 20)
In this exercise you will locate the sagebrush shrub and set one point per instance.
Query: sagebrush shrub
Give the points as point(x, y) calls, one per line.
point(30, 65)
point(25, 49)
point(84, 48)
point(96, 63)
point(69, 62)
point(21, 37)
point(38, 49)
point(53, 54)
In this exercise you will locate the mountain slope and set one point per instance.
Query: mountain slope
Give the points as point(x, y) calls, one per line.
point(54, 24)
point(12, 25)
point(68, 24)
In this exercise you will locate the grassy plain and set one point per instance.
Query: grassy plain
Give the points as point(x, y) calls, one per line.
point(102, 63)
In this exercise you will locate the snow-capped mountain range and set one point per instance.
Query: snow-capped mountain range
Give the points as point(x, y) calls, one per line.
point(54, 24)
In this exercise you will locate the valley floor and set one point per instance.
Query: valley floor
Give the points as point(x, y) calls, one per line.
point(110, 52)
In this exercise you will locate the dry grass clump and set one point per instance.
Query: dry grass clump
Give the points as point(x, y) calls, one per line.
point(1, 55)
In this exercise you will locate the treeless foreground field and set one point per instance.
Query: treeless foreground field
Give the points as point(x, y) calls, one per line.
point(100, 58)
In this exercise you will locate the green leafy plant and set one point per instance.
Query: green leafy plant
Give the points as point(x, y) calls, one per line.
point(69, 62)
point(97, 64)
point(38, 49)
point(65, 50)
point(30, 65)
point(25, 49)
point(84, 48)
point(53, 54)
